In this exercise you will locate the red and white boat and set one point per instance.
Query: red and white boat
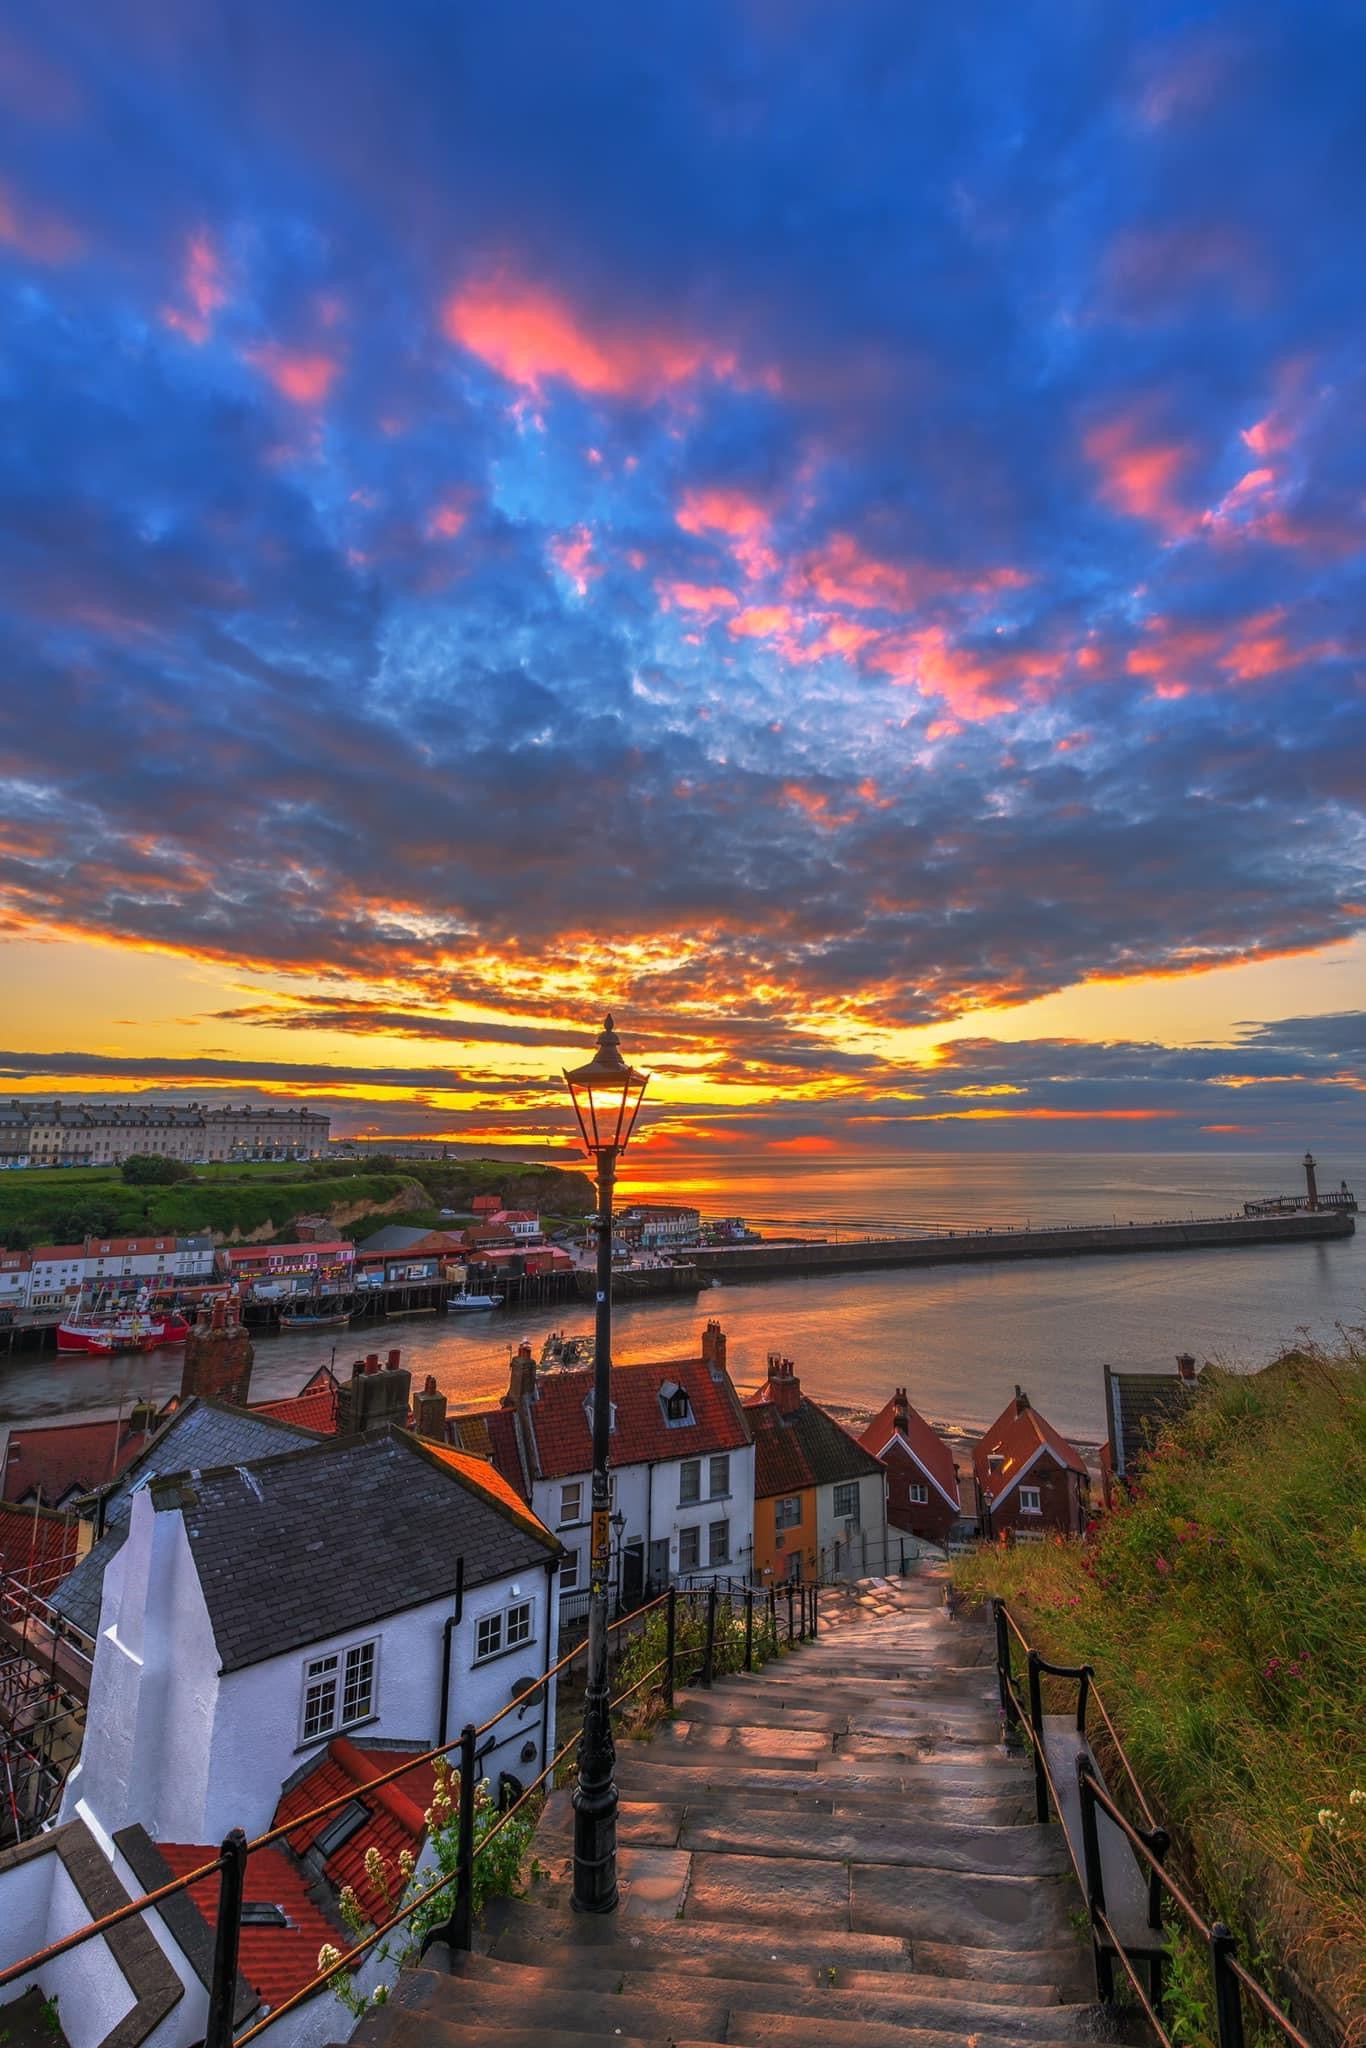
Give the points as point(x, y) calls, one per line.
point(104, 1330)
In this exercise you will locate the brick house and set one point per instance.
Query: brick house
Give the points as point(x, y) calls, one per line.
point(1027, 1476)
point(818, 1494)
point(922, 1478)
point(1138, 1406)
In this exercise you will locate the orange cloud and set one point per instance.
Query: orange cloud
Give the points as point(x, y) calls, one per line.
point(528, 334)
point(808, 1142)
point(970, 684)
point(743, 521)
point(758, 621)
point(842, 571)
point(303, 379)
point(204, 289)
point(1138, 476)
point(698, 597)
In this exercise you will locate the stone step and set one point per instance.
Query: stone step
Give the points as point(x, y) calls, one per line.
point(929, 2002)
point(759, 1706)
point(921, 1745)
point(909, 1842)
point(754, 1973)
point(820, 1792)
point(965, 1908)
point(719, 1950)
point(795, 1678)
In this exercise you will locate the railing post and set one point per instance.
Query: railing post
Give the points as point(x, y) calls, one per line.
point(1083, 1694)
point(749, 1628)
point(1036, 1724)
point(1003, 1671)
point(815, 1610)
point(791, 1610)
point(1095, 1881)
point(1228, 1994)
point(1159, 1841)
point(462, 1919)
point(232, 1878)
point(709, 1652)
point(773, 1619)
point(670, 1645)
point(803, 1604)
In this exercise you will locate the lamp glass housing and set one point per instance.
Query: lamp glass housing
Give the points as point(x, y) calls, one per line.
point(606, 1094)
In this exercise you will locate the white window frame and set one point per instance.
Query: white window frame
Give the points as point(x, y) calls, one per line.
point(330, 1672)
point(918, 1494)
point(786, 1520)
point(694, 1530)
point(1031, 1501)
point(689, 1466)
point(715, 1556)
point(845, 1487)
point(519, 1612)
point(574, 1486)
point(569, 1571)
point(721, 1492)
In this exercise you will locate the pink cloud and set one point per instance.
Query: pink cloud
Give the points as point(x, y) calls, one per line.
point(530, 335)
point(203, 288)
point(572, 554)
point(741, 520)
point(448, 517)
point(969, 683)
point(302, 378)
point(758, 622)
point(1139, 475)
point(36, 232)
point(698, 597)
point(841, 571)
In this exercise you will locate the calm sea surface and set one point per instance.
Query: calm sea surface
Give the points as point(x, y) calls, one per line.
point(958, 1339)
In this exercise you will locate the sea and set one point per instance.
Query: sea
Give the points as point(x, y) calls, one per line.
point(960, 1339)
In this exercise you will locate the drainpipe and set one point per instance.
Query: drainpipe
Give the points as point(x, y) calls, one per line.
point(448, 1628)
point(650, 1528)
point(552, 1566)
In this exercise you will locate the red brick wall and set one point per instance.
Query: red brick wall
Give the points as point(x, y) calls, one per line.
point(929, 1518)
point(1060, 1500)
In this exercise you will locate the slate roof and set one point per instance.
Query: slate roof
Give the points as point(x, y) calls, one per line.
point(202, 1432)
point(924, 1443)
point(807, 1442)
point(407, 1237)
point(1138, 1406)
point(368, 1526)
point(393, 1815)
point(1015, 1436)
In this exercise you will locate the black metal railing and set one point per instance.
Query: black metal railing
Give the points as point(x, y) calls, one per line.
point(765, 1624)
point(1149, 1843)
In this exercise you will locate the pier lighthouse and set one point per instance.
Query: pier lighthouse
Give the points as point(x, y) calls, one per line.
point(1311, 1186)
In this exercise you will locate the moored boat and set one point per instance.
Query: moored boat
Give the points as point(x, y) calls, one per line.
point(465, 1304)
point(325, 1322)
point(104, 1330)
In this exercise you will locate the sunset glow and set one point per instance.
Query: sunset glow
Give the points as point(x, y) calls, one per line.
point(854, 564)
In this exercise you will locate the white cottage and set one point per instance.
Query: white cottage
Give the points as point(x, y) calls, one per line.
point(682, 1462)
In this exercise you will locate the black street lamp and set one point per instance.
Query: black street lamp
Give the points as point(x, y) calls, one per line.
point(606, 1095)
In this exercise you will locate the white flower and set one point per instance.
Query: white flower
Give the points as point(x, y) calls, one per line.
point(327, 1956)
point(1356, 1797)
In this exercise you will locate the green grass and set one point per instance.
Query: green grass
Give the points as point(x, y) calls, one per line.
point(43, 1207)
point(1224, 1612)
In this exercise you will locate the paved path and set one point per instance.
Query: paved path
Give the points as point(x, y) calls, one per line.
point(836, 1850)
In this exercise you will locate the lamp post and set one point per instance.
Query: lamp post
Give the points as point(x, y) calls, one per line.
point(606, 1094)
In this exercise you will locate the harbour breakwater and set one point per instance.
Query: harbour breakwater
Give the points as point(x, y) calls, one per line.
point(764, 1261)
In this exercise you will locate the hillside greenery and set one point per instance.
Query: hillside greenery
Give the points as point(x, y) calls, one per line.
point(1224, 1611)
point(63, 1205)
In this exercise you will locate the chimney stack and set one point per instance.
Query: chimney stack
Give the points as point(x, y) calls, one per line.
point(714, 1348)
point(218, 1356)
point(1311, 1186)
point(901, 1412)
point(429, 1411)
point(521, 1377)
point(784, 1388)
point(1021, 1401)
point(1185, 1365)
point(375, 1397)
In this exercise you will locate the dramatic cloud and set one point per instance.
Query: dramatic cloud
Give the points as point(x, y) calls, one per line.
point(800, 524)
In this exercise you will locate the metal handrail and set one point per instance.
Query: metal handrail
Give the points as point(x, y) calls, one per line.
point(1230, 1976)
point(231, 1858)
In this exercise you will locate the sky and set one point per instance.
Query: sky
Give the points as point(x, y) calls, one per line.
point(836, 531)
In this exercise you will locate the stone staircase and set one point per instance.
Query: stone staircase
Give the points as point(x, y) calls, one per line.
point(836, 1850)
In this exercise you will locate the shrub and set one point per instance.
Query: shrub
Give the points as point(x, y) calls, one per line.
point(150, 1170)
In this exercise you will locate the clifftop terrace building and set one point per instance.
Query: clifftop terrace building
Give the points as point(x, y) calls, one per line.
point(62, 1133)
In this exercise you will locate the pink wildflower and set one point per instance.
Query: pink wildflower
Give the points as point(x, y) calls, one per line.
point(1163, 1566)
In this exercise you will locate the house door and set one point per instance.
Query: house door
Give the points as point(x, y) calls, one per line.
point(659, 1564)
point(633, 1575)
point(794, 1566)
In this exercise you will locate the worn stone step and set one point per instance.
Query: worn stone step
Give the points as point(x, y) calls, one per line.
point(957, 1773)
point(742, 1738)
point(921, 1745)
point(965, 1910)
point(929, 2002)
point(911, 1842)
point(741, 1949)
point(796, 1679)
point(753, 1975)
point(576, 2023)
point(1063, 1965)
point(768, 2030)
point(817, 1792)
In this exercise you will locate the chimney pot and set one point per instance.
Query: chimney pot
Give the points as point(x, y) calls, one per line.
point(394, 1357)
point(1185, 1365)
point(1021, 1400)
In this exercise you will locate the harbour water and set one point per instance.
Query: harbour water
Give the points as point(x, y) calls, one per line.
point(958, 1338)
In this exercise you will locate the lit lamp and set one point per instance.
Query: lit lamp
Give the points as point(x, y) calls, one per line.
point(606, 1095)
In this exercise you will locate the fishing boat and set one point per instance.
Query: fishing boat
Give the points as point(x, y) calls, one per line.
point(105, 1328)
point(328, 1321)
point(467, 1304)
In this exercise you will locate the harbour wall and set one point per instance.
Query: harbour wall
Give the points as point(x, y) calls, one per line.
point(951, 1248)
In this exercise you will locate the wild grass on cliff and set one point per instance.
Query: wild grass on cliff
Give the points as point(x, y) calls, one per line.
point(1225, 1613)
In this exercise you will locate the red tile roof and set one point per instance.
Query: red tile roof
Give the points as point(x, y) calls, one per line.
point(394, 1816)
point(68, 1459)
point(313, 1407)
point(924, 1443)
point(558, 1427)
point(1015, 1436)
point(38, 1549)
point(779, 1467)
point(486, 1478)
point(274, 1960)
point(57, 1254)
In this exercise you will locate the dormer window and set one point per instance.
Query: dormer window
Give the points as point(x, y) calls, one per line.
point(996, 1462)
point(677, 1408)
point(612, 1413)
